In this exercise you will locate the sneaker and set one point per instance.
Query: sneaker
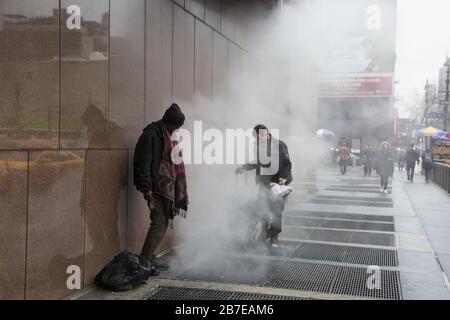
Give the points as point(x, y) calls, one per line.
point(158, 264)
point(385, 191)
point(381, 190)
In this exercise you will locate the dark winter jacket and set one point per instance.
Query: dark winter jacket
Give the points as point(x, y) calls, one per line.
point(411, 156)
point(147, 158)
point(427, 160)
point(285, 165)
point(385, 163)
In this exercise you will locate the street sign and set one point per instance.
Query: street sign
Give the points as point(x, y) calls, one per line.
point(434, 115)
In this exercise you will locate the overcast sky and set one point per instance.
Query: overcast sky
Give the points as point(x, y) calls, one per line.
point(423, 39)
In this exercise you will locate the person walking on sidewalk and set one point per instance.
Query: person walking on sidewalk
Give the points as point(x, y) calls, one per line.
point(368, 156)
point(277, 152)
point(160, 175)
point(386, 166)
point(427, 164)
point(344, 155)
point(412, 156)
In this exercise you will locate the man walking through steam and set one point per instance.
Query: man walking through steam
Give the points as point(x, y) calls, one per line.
point(277, 152)
point(160, 178)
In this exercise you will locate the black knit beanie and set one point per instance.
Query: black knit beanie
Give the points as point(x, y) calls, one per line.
point(174, 115)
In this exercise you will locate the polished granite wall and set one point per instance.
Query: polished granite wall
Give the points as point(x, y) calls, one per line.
point(72, 105)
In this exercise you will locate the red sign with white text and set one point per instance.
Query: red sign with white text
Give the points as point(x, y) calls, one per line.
point(356, 86)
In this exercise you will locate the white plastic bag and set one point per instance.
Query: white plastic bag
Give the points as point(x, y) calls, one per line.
point(278, 191)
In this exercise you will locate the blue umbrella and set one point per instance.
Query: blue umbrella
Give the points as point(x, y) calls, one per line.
point(325, 133)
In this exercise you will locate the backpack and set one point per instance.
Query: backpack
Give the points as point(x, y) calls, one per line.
point(126, 271)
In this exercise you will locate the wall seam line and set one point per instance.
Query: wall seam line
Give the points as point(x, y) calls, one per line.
point(26, 228)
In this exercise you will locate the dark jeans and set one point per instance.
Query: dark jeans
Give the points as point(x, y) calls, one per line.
point(343, 166)
point(270, 215)
point(410, 171)
point(159, 221)
point(367, 169)
point(427, 174)
point(384, 181)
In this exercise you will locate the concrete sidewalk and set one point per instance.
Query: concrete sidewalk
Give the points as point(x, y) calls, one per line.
point(334, 236)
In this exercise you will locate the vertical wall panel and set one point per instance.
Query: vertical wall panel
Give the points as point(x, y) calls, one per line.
point(126, 112)
point(159, 58)
point(29, 74)
point(180, 2)
point(220, 66)
point(196, 7)
point(228, 16)
point(183, 57)
point(213, 13)
point(106, 207)
point(13, 223)
point(55, 221)
point(203, 62)
point(85, 76)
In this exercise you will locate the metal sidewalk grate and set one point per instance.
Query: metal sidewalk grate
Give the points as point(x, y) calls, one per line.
point(303, 276)
point(374, 191)
point(351, 203)
point(354, 281)
point(319, 251)
point(177, 293)
point(248, 271)
point(376, 226)
point(258, 296)
point(371, 256)
point(336, 224)
point(370, 238)
point(338, 215)
point(370, 199)
point(378, 239)
point(346, 254)
point(331, 235)
point(370, 187)
point(293, 275)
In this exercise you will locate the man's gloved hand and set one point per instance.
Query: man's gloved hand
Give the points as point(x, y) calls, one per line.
point(149, 198)
point(239, 170)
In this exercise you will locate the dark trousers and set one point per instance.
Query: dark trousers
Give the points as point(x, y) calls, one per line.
point(384, 179)
point(367, 169)
point(343, 166)
point(410, 171)
point(159, 221)
point(427, 174)
point(270, 215)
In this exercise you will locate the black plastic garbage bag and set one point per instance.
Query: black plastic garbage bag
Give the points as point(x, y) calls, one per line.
point(126, 271)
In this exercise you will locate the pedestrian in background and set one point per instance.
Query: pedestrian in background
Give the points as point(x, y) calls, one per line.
point(344, 155)
point(386, 165)
point(427, 164)
point(411, 157)
point(368, 156)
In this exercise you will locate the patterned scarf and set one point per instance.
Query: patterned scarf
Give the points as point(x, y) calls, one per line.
point(173, 184)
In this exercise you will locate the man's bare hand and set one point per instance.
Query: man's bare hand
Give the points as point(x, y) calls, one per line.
point(281, 181)
point(150, 201)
